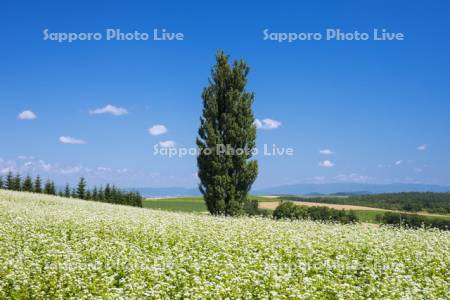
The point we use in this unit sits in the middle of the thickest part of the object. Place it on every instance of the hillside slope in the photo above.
(54, 247)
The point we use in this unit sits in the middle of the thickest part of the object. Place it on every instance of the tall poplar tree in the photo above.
(227, 123)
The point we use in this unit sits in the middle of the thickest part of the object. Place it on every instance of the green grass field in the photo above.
(196, 204)
(368, 216)
(186, 204)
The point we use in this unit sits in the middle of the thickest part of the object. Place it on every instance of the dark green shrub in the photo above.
(414, 221)
(288, 210)
(251, 208)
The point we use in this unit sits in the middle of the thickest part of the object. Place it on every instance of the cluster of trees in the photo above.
(251, 208)
(413, 221)
(27, 184)
(410, 201)
(289, 210)
(108, 194)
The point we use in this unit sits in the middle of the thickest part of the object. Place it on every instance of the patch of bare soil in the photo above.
(274, 204)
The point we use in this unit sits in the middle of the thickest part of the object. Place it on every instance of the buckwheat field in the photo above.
(52, 247)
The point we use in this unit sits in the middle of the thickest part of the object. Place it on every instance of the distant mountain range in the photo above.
(350, 188)
(307, 189)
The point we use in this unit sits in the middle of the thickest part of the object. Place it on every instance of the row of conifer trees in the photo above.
(109, 194)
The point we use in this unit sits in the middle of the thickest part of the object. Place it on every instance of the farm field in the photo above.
(196, 204)
(425, 203)
(187, 204)
(182, 204)
(274, 204)
(54, 247)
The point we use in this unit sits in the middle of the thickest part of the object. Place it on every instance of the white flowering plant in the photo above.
(55, 248)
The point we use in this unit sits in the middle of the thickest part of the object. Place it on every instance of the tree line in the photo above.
(109, 193)
(413, 221)
(409, 201)
(289, 210)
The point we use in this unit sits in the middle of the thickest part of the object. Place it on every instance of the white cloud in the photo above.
(7, 170)
(157, 129)
(71, 140)
(353, 177)
(45, 166)
(267, 124)
(422, 147)
(398, 162)
(103, 169)
(383, 166)
(67, 173)
(27, 115)
(7, 166)
(71, 170)
(37, 165)
(24, 157)
(326, 164)
(167, 144)
(326, 151)
(109, 109)
(318, 178)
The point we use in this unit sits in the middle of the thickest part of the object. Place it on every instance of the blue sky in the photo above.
(381, 107)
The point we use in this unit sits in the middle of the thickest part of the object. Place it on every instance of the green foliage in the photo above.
(49, 187)
(183, 204)
(10, 181)
(414, 221)
(81, 188)
(411, 201)
(227, 122)
(67, 191)
(17, 183)
(94, 195)
(111, 195)
(369, 216)
(289, 210)
(13, 183)
(27, 185)
(251, 209)
(38, 185)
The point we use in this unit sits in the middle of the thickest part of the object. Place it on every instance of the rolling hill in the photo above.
(53, 247)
